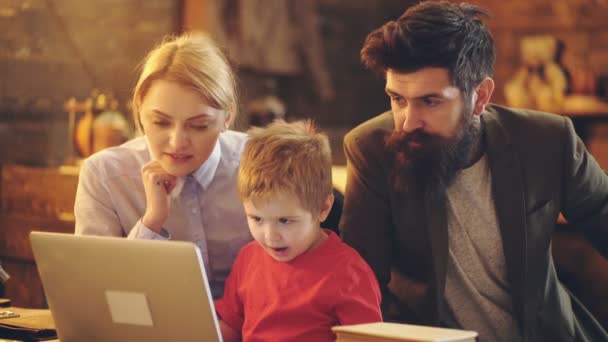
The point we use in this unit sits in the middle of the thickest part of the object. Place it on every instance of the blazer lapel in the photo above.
(435, 210)
(424, 229)
(508, 190)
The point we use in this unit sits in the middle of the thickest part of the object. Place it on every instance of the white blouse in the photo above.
(110, 201)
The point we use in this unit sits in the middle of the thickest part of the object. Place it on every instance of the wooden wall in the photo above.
(53, 50)
(31, 199)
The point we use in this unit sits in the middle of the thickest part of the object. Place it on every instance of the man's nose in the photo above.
(412, 121)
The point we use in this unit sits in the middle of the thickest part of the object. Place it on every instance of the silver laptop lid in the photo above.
(114, 289)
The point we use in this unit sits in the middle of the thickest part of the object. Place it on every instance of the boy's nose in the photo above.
(271, 235)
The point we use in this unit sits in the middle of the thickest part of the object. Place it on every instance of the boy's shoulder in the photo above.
(344, 257)
(348, 271)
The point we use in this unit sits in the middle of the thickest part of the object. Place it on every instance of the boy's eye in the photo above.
(284, 220)
(255, 218)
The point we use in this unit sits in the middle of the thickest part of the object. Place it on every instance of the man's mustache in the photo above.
(419, 136)
(400, 140)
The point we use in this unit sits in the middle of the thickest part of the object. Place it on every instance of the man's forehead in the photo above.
(421, 83)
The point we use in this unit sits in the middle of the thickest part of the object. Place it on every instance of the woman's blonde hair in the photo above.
(194, 60)
(288, 158)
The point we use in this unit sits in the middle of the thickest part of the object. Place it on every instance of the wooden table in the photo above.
(31, 318)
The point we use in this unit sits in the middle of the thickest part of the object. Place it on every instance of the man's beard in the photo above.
(431, 166)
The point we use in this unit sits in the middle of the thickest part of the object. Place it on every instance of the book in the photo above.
(396, 332)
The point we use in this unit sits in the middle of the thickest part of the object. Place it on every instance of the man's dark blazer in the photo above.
(539, 168)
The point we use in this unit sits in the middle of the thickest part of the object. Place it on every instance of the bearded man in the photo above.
(453, 200)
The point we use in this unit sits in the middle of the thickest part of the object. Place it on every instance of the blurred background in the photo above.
(68, 67)
(305, 53)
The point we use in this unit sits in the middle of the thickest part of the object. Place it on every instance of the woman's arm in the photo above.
(93, 209)
(103, 204)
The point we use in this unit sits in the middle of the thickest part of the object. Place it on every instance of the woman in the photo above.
(178, 180)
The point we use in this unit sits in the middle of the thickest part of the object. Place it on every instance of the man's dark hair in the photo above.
(435, 34)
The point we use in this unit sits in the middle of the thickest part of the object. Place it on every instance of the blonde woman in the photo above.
(178, 180)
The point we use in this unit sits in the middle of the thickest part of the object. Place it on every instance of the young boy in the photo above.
(296, 280)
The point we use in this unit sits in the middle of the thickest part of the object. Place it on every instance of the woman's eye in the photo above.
(199, 127)
(161, 123)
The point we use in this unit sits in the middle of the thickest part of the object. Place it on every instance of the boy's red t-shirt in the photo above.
(300, 300)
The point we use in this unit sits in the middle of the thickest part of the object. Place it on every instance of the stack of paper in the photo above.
(393, 332)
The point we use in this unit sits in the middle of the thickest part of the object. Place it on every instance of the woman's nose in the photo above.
(179, 138)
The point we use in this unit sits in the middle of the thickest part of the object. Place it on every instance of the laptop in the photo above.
(114, 289)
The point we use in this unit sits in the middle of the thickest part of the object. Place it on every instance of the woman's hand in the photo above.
(157, 185)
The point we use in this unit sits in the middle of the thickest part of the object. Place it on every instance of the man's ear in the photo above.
(482, 95)
(326, 208)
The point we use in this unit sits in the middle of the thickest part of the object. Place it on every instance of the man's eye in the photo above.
(397, 101)
(431, 102)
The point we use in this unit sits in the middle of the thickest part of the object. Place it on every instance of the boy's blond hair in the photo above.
(290, 158)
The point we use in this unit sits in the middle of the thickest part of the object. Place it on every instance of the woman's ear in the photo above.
(228, 118)
(326, 207)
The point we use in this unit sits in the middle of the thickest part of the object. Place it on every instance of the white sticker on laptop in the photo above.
(129, 308)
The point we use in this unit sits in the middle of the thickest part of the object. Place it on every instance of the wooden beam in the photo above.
(196, 15)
